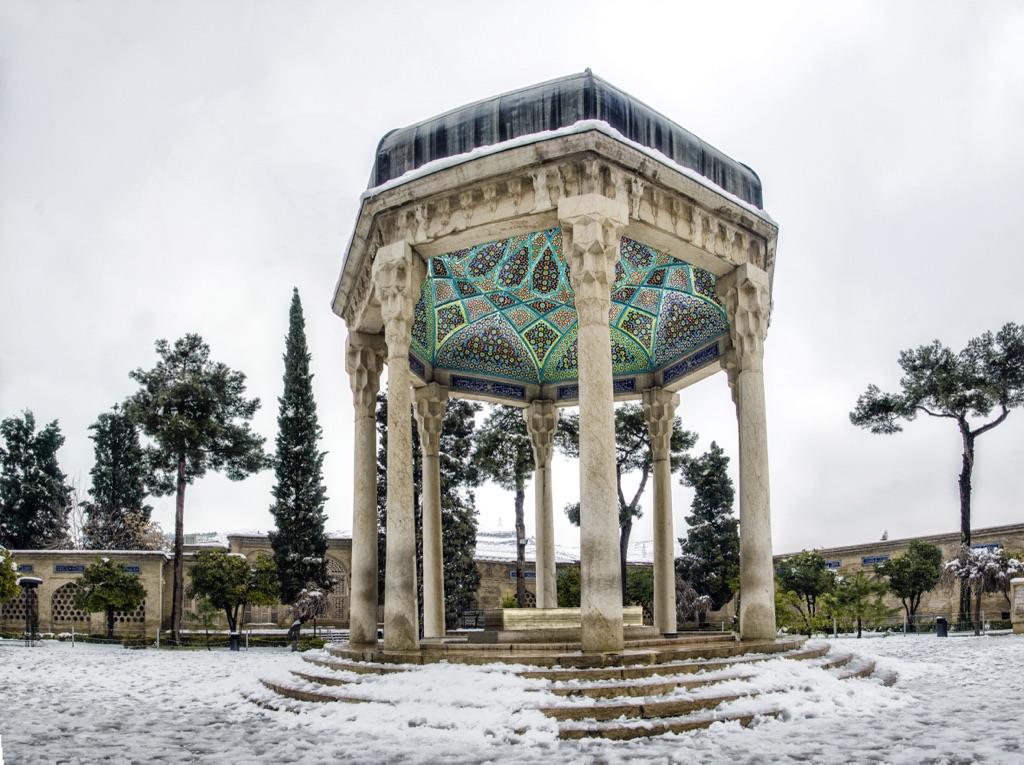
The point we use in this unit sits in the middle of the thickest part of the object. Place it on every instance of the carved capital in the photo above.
(745, 292)
(429, 404)
(541, 423)
(660, 414)
(398, 275)
(364, 360)
(591, 231)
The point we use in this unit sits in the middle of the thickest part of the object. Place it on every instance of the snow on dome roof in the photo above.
(549, 106)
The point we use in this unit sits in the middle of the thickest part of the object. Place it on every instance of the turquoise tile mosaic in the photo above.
(506, 310)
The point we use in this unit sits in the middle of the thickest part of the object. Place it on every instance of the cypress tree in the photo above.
(34, 496)
(300, 543)
(117, 516)
(711, 549)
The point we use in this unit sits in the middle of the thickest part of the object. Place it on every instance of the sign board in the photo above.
(833, 564)
(65, 569)
(990, 546)
(526, 574)
(26, 568)
(874, 560)
(133, 569)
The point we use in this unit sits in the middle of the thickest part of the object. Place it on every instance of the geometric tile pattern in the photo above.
(506, 309)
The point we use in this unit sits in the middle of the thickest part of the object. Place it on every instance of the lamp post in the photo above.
(28, 584)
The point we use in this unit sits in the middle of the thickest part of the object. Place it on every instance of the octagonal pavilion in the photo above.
(555, 246)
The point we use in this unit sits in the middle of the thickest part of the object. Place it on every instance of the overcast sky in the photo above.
(175, 167)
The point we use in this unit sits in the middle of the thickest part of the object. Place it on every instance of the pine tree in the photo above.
(34, 495)
(711, 549)
(196, 413)
(458, 512)
(117, 518)
(300, 543)
(106, 586)
(504, 453)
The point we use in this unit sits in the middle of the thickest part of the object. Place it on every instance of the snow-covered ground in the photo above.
(957, 700)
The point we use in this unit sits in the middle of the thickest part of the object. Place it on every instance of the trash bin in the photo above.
(940, 627)
(234, 640)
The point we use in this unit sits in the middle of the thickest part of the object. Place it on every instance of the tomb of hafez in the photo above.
(559, 245)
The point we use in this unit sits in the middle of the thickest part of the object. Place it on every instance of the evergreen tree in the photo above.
(632, 453)
(458, 512)
(106, 586)
(802, 580)
(34, 496)
(568, 586)
(711, 549)
(117, 518)
(230, 582)
(504, 453)
(8, 577)
(300, 543)
(912, 574)
(197, 416)
(859, 598)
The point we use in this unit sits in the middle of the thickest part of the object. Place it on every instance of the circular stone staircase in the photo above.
(656, 686)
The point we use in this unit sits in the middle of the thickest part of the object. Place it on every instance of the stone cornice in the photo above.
(517, 191)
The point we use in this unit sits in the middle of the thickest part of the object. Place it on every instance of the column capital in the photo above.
(398, 274)
(746, 294)
(364, 359)
(541, 423)
(592, 227)
(660, 414)
(429, 404)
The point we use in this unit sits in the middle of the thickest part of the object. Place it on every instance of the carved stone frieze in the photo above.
(429, 404)
(591, 230)
(660, 413)
(541, 423)
(364, 360)
(398, 274)
(747, 299)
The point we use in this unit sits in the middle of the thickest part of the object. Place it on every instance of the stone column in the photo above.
(429, 404)
(364, 357)
(591, 229)
(541, 422)
(748, 305)
(398, 275)
(660, 413)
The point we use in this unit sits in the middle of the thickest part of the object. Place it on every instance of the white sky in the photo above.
(173, 167)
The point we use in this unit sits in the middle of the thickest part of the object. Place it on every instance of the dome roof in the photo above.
(506, 310)
(549, 106)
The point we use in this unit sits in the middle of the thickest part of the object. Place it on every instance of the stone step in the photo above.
(761, 652)
(360, 668)
(624, 731)
(857, 668)
(834, 660)
(612, 690)
(321, 679)
(646, 709)
(303, 694)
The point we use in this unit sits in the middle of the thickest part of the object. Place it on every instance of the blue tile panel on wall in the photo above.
(697, 360)
(487, 387)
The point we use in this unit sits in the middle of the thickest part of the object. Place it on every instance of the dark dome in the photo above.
(549, 106)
